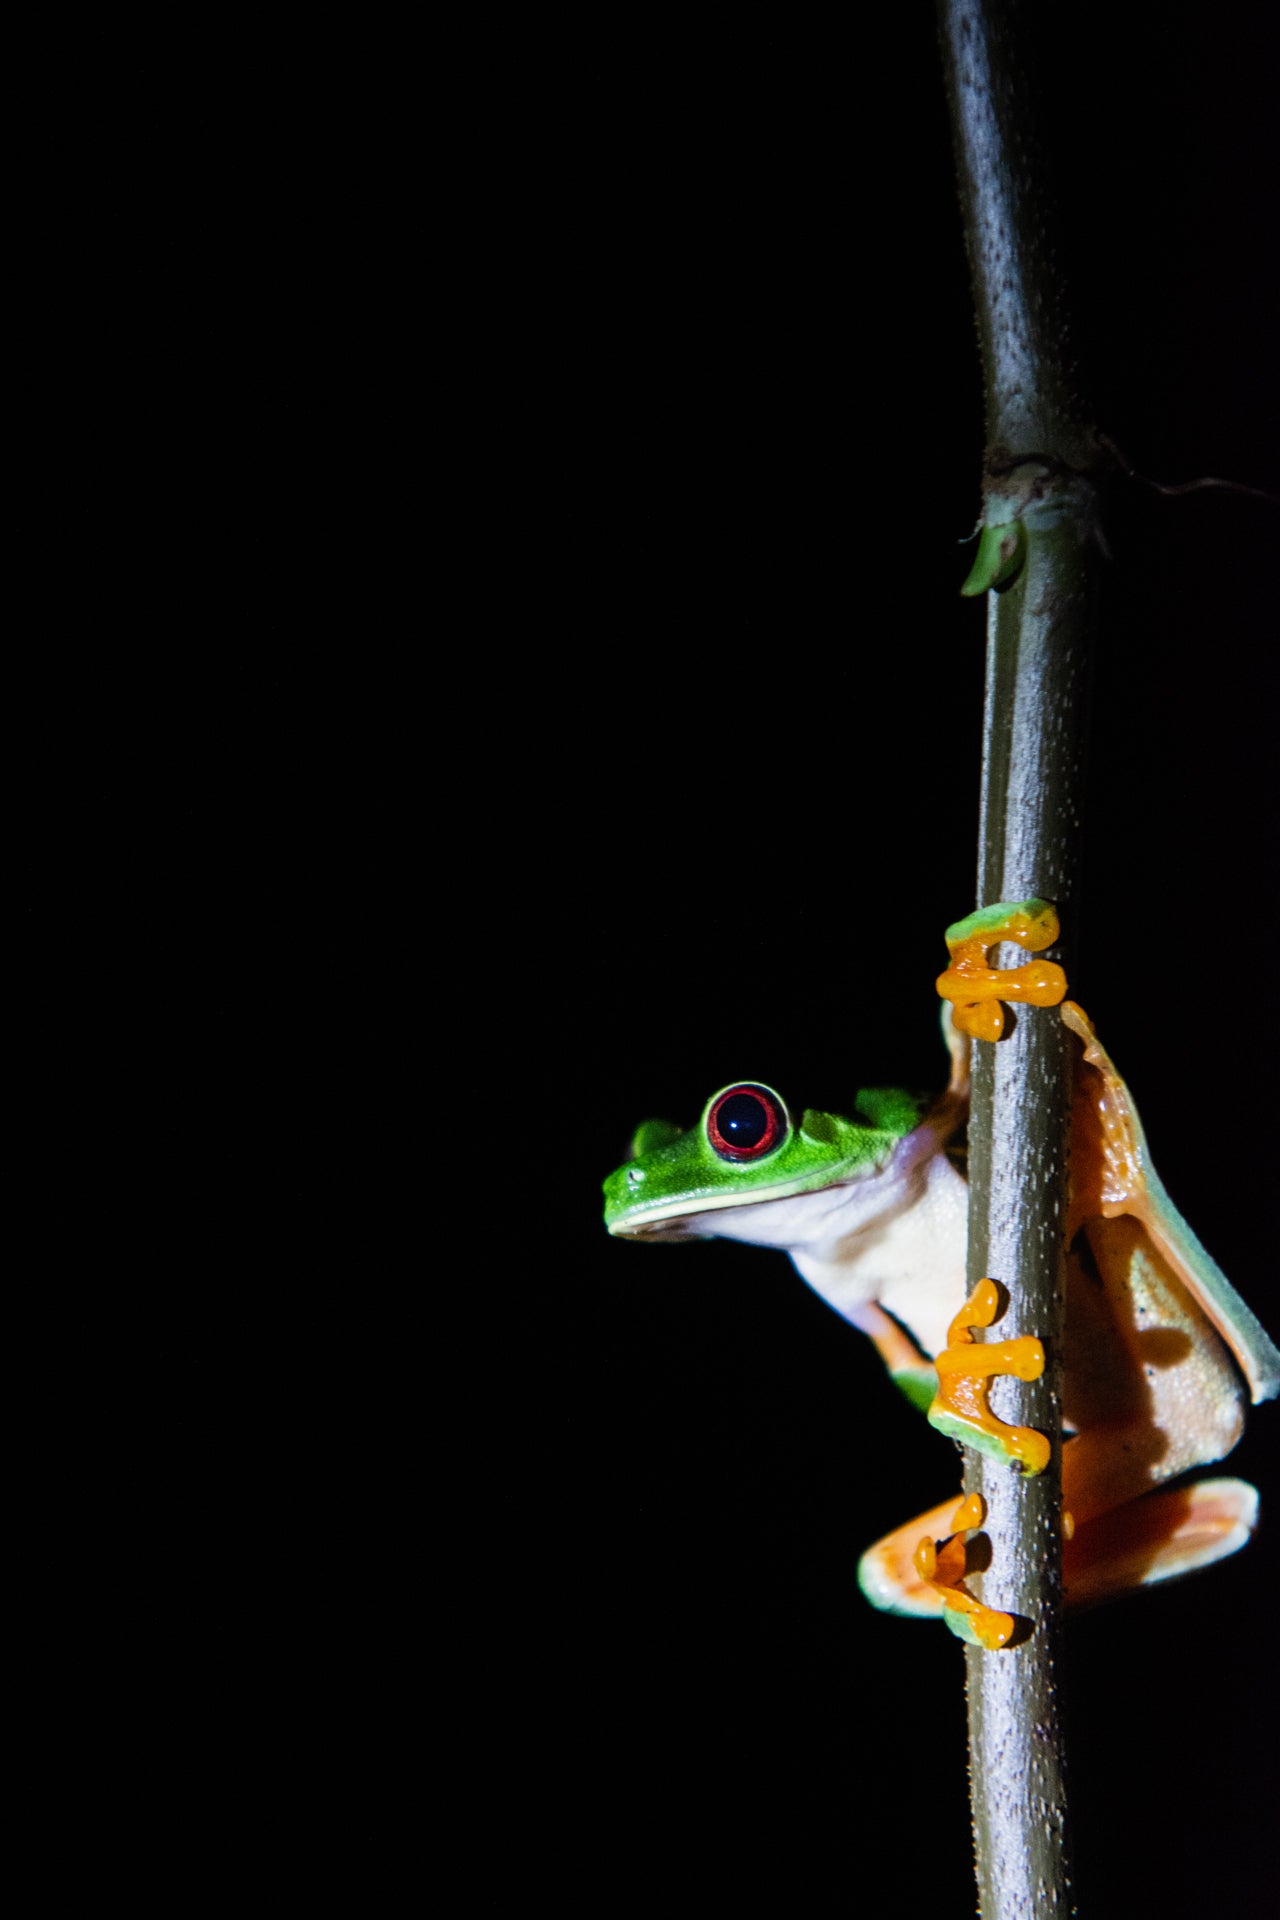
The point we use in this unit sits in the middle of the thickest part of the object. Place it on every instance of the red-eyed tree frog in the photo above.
(1161, 1354)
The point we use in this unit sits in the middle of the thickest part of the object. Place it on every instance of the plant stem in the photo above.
(1038, 631)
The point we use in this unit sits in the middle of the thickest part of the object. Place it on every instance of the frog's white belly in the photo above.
(910, 1261)
(896, 1237)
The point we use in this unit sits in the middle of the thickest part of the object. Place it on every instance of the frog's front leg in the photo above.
(910, 1368)
(976, 988)
(965, 1371)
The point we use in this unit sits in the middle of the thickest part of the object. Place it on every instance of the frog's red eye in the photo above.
(746, 1122)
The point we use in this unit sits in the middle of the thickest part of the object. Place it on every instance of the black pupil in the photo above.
(743, 1121)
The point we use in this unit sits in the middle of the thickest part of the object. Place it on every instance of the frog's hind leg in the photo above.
(887, 1572)
(1162, 1536)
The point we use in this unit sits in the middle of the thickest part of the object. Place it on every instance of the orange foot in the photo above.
(1162, 1536)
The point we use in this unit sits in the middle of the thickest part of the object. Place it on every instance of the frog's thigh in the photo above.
(1111, 1466)
(1149, 1387)
(1169, 1533)
(1172, 1532)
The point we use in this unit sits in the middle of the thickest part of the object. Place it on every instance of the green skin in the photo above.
(676, 1174)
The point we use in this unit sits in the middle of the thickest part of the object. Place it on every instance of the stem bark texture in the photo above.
(1039, 446)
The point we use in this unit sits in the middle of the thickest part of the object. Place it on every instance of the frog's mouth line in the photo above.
(654, 1229)
(663, 1221)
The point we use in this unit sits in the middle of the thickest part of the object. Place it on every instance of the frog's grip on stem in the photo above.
(976, 988)
(965, 1370)
(941, 1565)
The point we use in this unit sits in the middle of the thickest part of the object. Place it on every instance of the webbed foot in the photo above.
(976, 988)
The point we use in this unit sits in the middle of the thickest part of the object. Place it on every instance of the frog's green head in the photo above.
(745, 1149)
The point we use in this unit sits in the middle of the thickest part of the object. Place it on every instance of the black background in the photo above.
(747, 434)
(545, 697)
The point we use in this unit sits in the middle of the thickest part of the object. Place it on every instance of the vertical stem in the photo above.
(1038, 634)
(1032, 794)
